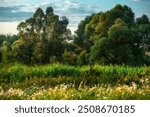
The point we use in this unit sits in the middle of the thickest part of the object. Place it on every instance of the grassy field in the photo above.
(58, 81)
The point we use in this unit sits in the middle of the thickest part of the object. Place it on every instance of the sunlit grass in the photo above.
(64, 82)
(70, 92)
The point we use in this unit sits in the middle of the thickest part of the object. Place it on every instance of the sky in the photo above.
(12, 12)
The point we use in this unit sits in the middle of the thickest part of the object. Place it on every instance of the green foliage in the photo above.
(69, 58)
(99, 52)
(111, 38)
(18, 72)
(120, 47)
(59, 81)
(42, 38)
(89, 75)
(6, 52)
(83, 58)
(143, 20)
(5, 47)
(143, 35)
(115, 37)
(101, 22)
(82, 39)
(8, 38)
(22, 51)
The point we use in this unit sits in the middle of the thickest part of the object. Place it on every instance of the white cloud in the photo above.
(10, 0)
(8, 27)
(74, 11)
(146, 1)
(28, 8)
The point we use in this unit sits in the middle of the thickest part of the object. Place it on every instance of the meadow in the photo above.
(64, 82)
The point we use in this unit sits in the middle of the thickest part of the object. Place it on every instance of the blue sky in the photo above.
(14, 11)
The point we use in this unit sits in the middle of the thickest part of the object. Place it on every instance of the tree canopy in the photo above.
(112, 37)
(41, 37)
(116, 37)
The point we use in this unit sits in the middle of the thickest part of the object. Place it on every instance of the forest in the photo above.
(108, 57)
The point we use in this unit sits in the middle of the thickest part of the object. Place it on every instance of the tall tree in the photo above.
(120, 47)
(101, 22)
(43, 35)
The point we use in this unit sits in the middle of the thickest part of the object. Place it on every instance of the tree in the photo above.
(119, 33)
(22, 51)
(6, 41)
(100, 52)
(96, 27)
(56, 33)
(101, 22)
(82, 39)
(69, 58)
(115, 37)
(143, 20)
(119, 47)
(42, 37)
(82, 42)
(83, 58)
(142, 28)
(6, 52)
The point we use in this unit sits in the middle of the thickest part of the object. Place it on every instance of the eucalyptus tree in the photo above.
(43, 34)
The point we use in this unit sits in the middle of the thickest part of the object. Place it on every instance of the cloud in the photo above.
(8, 27)
(140, 0)
(75, 11)
(8, 14)
(10, 0)
(146, 1)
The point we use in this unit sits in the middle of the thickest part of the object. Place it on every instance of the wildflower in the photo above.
(11, 92)
(118, 89)
(134, 86)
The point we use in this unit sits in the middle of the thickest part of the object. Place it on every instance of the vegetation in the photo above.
(96, 74)
(107, 58)
(86, 82)
(69, 92)
(112, 37)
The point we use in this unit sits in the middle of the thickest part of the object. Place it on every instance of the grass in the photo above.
(69, 92)
(58, 81)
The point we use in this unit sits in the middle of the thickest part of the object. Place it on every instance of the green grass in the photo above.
(93, 74)
(19, 81)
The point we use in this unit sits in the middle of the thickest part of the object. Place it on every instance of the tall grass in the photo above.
(90, 75)
(58, 81)
(65, 92)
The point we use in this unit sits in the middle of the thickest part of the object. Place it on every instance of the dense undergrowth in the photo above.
(58, 81)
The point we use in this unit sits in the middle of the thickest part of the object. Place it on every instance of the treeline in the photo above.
(113, 37)
(7, 40)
